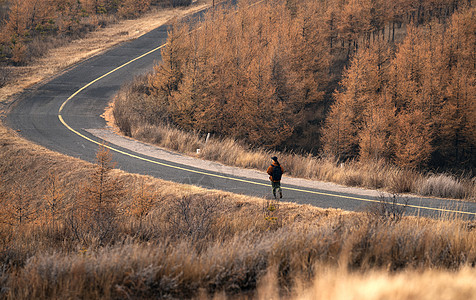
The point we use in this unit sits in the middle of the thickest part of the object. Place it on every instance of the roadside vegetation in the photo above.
(78, 230)
(370, 94)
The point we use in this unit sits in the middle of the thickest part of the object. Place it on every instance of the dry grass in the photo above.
(168, 137)
(331, 283)
(444, 186)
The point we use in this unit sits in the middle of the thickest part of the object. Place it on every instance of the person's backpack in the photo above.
(277, 173)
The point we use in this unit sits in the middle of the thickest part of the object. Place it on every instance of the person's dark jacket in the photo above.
(270, 171)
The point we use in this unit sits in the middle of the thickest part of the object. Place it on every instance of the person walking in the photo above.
(275, 172)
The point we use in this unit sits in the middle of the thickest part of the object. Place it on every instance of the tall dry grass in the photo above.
(331, 283)
(175, 268)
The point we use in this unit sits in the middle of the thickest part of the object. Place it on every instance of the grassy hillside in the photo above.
(63, 235)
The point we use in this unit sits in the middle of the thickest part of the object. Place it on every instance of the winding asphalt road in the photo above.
(59, 114)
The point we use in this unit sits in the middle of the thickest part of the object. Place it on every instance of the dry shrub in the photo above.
(121, 118)
(193, 217)
(176, 3)
(19, 53)
(232, 152)
(472, 189)
(176, 140)
(375, 171)
(402, 180)
(442, 185)
(38, 47)
(353, 178)
(329, 169)
(132, 8)
(168, 137)
(302, 166)
(390, 208)
(134, 108)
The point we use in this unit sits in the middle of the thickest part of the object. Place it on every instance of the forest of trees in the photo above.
(414, 105)
(358, 79)
(28, 27)
(250, 75)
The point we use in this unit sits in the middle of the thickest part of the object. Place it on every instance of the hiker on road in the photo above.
(275, 172)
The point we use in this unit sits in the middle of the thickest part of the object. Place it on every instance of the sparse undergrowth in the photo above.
(160, 239)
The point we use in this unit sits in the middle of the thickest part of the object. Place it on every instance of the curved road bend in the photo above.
(60, 114)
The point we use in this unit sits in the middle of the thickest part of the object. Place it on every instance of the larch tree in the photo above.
(339, 133)
(102, 195)
(412, 143)
(413, 135)
(458, 113)
(233, 74)
(351, 122)
(143, 201)
(18, 207)
(168, 75)
(375, 137)
(54, 200)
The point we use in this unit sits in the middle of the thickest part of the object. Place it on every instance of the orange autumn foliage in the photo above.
(424, 104)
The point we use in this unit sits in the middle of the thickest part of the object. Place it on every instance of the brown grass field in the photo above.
(148, 238)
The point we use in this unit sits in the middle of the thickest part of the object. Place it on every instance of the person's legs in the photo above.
(277, 187)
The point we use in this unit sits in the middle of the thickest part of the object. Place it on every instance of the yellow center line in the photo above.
(107, 74)
(207, 173)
